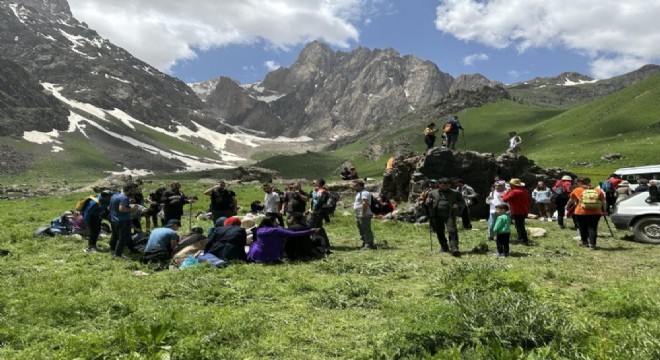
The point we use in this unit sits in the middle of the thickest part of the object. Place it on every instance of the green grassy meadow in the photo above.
(553, 300)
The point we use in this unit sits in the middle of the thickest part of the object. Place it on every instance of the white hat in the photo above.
(624, 183)
(567, 178)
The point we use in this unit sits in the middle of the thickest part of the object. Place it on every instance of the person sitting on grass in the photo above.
(164, 238)
(268, 246)
(228, 242)
(502, 230)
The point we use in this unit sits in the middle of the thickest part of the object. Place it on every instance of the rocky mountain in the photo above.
(54, 47)
(23, 104)
(472, 82)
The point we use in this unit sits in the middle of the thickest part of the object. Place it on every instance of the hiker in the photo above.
(363, 214)
(228, 242)
(268, 245)
(519, 202)
(120, 219)
(164, 238)
(502, 230)
(154, 201)
(295, 200)
(590, 205)
(173, 201)
(609, 187)
(561, 191)
(223, 201)
(445, 205)
(381, 205)
(542, 196)
(93, 214)
(345, 174)
(494, 199)
(469, 196)
(353, 175)
(429, 135)
(272, 203)
(514, 143)
(191, 244)
(642, 186)
(622, 192)
(451, 128)
(653, 192)
(300, 247)
(319, 210)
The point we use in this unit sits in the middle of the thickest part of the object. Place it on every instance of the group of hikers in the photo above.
(451, 128)
(263, 230)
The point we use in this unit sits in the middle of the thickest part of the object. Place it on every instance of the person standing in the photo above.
(173, 201)
(494, 199)
(469, 196)
(319, 196)
(272, 203)
(429, 135)
(622, 192)
(519, 201)
(223, 201)
(451, 128)
(444, 203)
(363, 215)
(514, 143)
(120, 219)
(154, 201)
(542, 196)
(502, 229)
(590, 205)
(561, 191)
(93, 216)
(295, 200)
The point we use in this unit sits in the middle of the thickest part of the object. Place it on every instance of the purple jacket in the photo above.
(269, 245)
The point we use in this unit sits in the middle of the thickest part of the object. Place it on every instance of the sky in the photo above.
(504, 40)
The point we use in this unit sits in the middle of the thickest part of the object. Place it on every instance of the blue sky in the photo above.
(505, 40)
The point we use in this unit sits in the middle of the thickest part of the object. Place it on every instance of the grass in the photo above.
(553, 300)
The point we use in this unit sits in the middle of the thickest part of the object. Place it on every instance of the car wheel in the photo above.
(647, 230)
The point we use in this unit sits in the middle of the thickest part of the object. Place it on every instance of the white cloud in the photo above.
(469, 60)
(514, 74)
(271, 65)
(614, 34)
(173, 29)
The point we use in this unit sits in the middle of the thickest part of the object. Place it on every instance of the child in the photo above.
(502, 230)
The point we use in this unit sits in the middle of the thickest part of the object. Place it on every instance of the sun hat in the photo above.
(624, 183)
(567, 178)
(516, 182)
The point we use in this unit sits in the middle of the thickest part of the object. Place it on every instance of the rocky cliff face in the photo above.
(24, 106)
(334, 94)
(44, 38)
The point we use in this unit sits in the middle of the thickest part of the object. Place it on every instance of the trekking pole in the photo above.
(608, 225)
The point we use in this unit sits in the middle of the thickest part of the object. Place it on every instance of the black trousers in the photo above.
(465, 217)
(588, 227)
(519, 222)
(560, 203)
(278, 216)
(502, 241)
(430, 141)
(94, 231)
(439, 223)
(316, 221)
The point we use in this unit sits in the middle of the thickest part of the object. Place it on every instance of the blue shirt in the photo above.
(115, 214)
(160, 238)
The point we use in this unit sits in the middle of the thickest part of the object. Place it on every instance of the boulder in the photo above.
(610, 157)
(537, 232)
(254, 173)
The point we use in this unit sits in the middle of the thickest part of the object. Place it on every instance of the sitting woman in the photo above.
(228, 242)
(269, 243)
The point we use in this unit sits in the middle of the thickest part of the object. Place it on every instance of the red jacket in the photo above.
(519, 200)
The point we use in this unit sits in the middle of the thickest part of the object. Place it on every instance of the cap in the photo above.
(567, 178)
(233, 221)
(173, 222)
(434, 181)
(106, 192)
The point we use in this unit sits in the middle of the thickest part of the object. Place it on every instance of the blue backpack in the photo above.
(606, 186)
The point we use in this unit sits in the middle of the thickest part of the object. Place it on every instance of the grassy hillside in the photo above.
(627, 122)
(553, 300)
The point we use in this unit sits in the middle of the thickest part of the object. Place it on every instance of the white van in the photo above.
(632, 174)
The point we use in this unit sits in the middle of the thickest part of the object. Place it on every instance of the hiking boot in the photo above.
(91, 249)
(498, 255)
(456, 253)
(368, 247)
(593, 247)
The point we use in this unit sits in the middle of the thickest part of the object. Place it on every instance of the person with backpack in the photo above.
(363, 215)
(223, 201)
(470, 196)
(120, 219)
(542, 197)
(590, 206)
(561, 189)
(93, 214)
(444, 204)
(451, 128)
(519, 201)
(429, 135)
(609, 187)
(319, 210)
(514, 143)
(228, 242)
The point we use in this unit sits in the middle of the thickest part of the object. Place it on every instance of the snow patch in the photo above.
(568, 82)
(21, 13)
(57, 149)
(132, 172)
(39, 137)
(116, 78)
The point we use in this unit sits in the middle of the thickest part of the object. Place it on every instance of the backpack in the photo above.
(606, 186)
(82, 203)
(590, 199)
(333, 199)
(448, 127)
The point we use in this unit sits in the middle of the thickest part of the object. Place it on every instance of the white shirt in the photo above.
(357, 204)
(513, 142)
(494, 199)
(272, 202)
